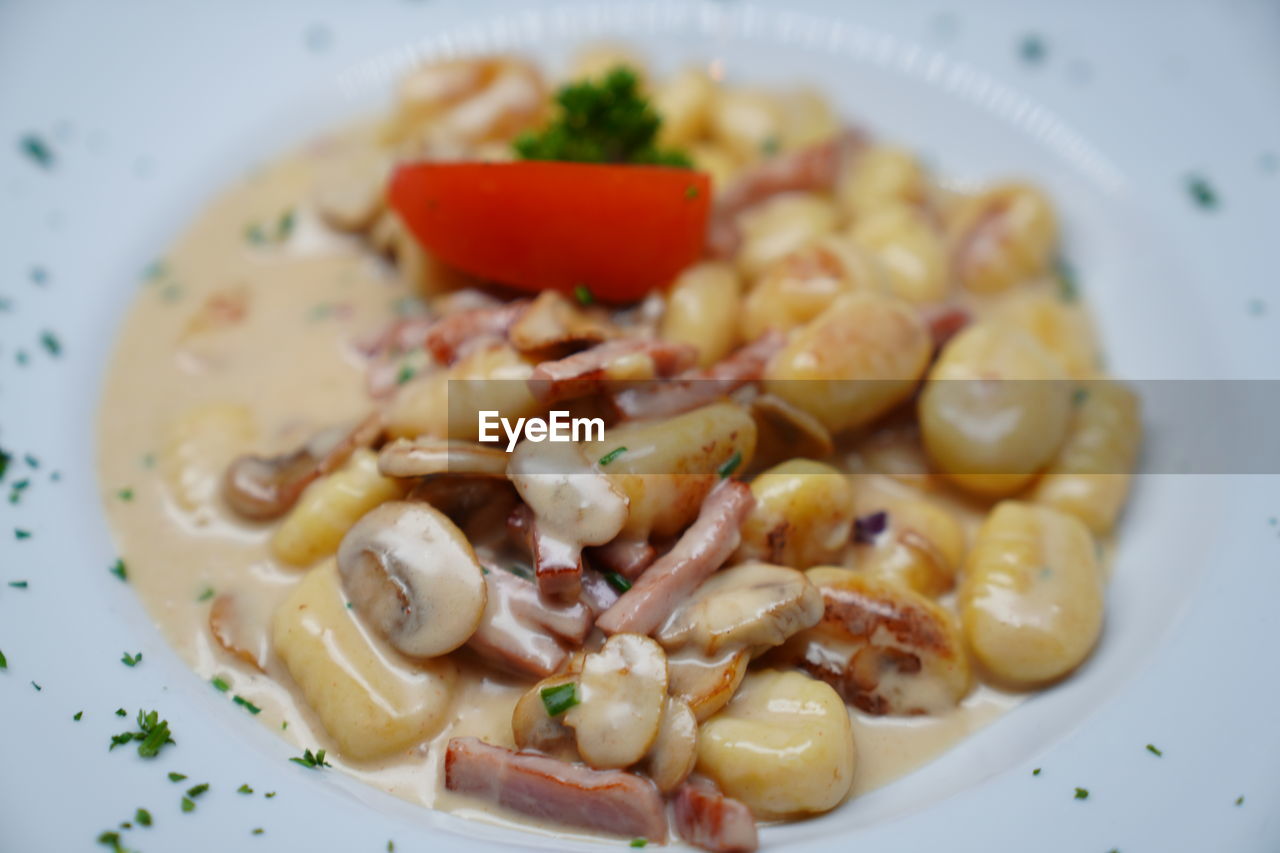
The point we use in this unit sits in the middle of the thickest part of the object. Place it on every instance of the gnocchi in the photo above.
(802, 515)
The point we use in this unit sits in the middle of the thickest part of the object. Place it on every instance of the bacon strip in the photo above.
(627, 557)
(520, 632)
(446, 337)
(815, 168)
(589, 371)
(708, 819)
(610, 801)
(700, 551)
(700, 387)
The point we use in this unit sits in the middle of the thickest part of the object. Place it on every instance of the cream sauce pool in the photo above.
(254, 315)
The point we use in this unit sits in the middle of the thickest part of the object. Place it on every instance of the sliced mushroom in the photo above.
(748, 606)
(706, 684)
(621, 695)
(423, 457)
(228, 625)
(349, 195)
(671, 759)
(551, 320)
(597, 368)
(411, 574)
(885, 648)
(788, 432)
(261, 488)
(533, 728)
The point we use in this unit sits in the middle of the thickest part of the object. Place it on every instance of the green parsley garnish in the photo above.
(246, 704)
(205, 594)
(120, 570)
(4, 662)
(559, 698)
(37, 687)
(131, 660)
(1032, 50)
(583, 294)
(1151, 749)
(51, 343)
(220, 683)
(1068, 284)
(255, 234)
(405, 373)
(1080, 395)
(269, 794)
(639, 842)
(258, 830)
(601, 121)
(612, 455)
(1035, 772)
(37, 150)
(153, 734)
(1240, 800)
(196, 790)
(617, 581)
(1082, 793)
(142, 817)
(691, 192)
(18, 584)
(112, 840)
(78, 715)
(730, 465)
(177, 777)
(310, 761)
(284, 225)
(19, 533)
(188, 804)
(391, 847)
(244, 789)
(1202, 193)
(125, 494)
(770, 146)
(4, 463)
(121, 712)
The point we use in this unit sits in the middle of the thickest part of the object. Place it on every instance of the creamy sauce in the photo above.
(265, 332)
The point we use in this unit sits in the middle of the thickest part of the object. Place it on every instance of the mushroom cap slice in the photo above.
(411, 574)
(533, 728)
(622, 692)
(674, 753)
(746, 606)
(706, 684)
(422, 457)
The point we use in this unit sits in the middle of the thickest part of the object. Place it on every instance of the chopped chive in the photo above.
(639, 842)
(691, 191)
(559, 698)
(612, 455)
(18, 584)
(1240, 800)
(244, 789)
(770, 146)
(125, 494)
(205, 594)
(4, 662)
(4, 462)
(1151, 749)
(1082, 793)
(617, 581)
(258, 830)
(1201, 192)
(310, 761)
(583, 294)
(284, 225)
(37, 150)
(120, 570)
(176, 777)
(143, 817)
(269, 794)
(391, 847)
(51, 343)
(19, 533)
(37, 687)
(730, 465)
(220, 683)
(246, 704)
(254, 234)
(131, 660)
(1068, 283)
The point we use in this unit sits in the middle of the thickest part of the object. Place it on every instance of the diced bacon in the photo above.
(708, 819)
(592, 369)
(520, 633)
(557, 564)
(627, 557)
(448, 336)
(597, 593)
(700, 551)
(611, 801)
(698, 388)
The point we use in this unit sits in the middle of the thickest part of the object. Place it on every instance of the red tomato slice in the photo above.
(619, 231)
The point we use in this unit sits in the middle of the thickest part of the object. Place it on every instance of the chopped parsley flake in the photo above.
(78, 715)
(691, 191)
(269, 794)
(220, 683)
(154, 270)
(125, 494)
(391, 847)
(1068, 284)
(770, 146)
(51, 343)
(16, 490)
(196, 790)
(19, 533)
(205, 594)
(255, 234)
(258, 830)
(4, 462)
(246, 704)
(1151, 749)
(617, 581)
(244, 789)
(605, 120)
(405, 373)
(583, 294)
(18, 584)
(612, 455)
(639, 842)
(37, 687)
(120, 570)
(1032, 50)
(1202, 192)
(112, 840)
(153, 734)
(121, 712)
(177, 777)
(131, 660)
(310, 761)
(31, 461)
(730, 465)
(1240, 800)
(1082, 793)
(188, 804)
(142, 817)
(284, 225)
(4, 662)
(559, 698)
(37, 150)
(1035, 772)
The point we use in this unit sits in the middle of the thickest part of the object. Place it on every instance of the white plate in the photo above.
(149, 107)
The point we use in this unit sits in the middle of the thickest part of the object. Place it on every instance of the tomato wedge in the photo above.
(619, 231)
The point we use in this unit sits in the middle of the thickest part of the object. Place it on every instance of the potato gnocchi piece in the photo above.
(746, 121)
(1090, 476)
(995, 409)
(670, 464)
(753, 606)
(807, 120)
(1062, 328)
(779, 226)
(784, 746)
(1002, 237)
(702, 310)
(717, 161)
(882, 176)
(684, 103)
(885, 648)
(330, 507)
(921, 546)
(369, 701)
(801, 285)
(1032, 596)
(802, 515)
(854, 362)
(908, 249)
(197, 449)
